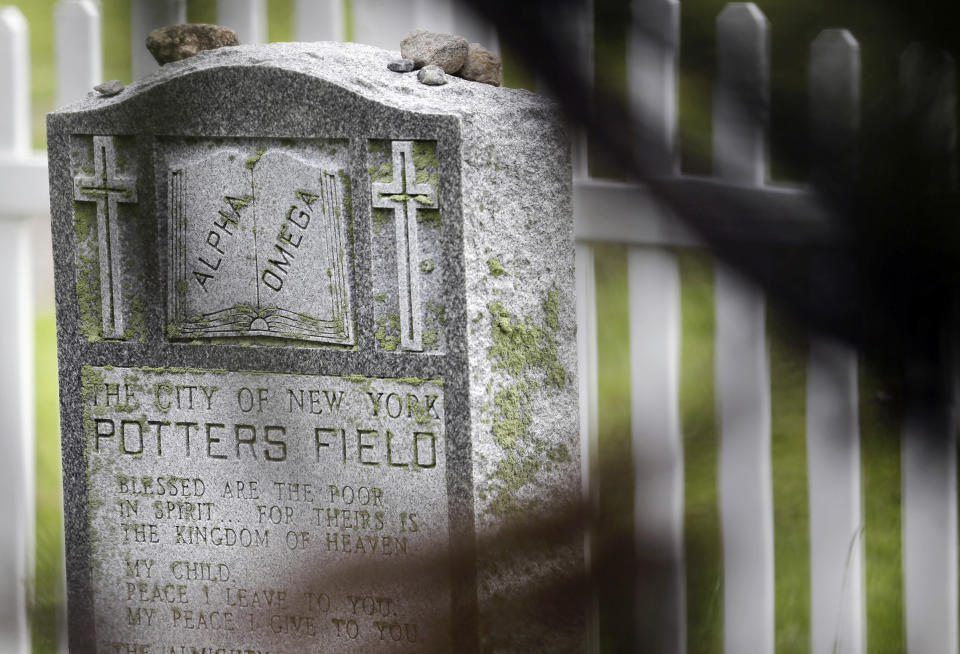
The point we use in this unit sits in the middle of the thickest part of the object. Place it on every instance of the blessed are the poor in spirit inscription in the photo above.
(253, 512)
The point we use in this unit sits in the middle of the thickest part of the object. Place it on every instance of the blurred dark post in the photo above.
(928, 108)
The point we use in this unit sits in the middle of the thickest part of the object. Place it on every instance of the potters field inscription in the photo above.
(263, 512)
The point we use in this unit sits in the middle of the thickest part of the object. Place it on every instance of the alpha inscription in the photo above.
(259, 247)
(266, 512)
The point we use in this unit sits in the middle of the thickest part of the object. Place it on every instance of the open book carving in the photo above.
(259, 248)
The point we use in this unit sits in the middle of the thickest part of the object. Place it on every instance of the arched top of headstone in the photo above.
(360, 70)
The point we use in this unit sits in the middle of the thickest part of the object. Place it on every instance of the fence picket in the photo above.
(654, 295)
(79, 62)
(836, 524)
(382, 22)
(833, 433)
(587, 387)
(652, 52)
(16, 349)
(742, 368)
(434, 15)
(320, 20)
(247, 17)
(14, 83)
(746, 494)
(573, 21)
(146, 16)
(741, 97)
(929, 449)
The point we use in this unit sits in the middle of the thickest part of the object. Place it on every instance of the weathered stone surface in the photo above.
(113, 87)
(178, 42)
(316, 347)
(401, 65)
(432, 76)
(426, 48)
(481, 65)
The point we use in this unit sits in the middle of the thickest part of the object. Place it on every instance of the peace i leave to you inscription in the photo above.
(259, 247)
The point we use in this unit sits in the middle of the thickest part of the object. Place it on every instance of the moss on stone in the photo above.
(496, 268)
(513, 472)
(526, 351)
(380, 218)
(388, 331)
(419, 412)
(427, 266)
(137, 326)
(88, 297)
(429, 217)
(511, 419)
(521, 347)
(426, 163)
(252, 161)
(551, 309)
(559, 453)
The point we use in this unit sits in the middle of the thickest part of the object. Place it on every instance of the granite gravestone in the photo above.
(316, 344)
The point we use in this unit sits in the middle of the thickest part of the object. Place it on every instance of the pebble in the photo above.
(401, 65)
(482, 65)
(432, 76)
(109, 89)
(433, 48)
(177, 42)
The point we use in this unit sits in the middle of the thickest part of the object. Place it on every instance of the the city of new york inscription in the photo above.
(266, 512)
(259, 246)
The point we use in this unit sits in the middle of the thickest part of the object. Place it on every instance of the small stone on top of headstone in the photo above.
(443, 50)
(109, 89)
(432, 76)
(402, 65)
(177, 42)
(482, 65)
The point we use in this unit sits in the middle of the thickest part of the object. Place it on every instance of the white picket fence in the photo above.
(605, 211)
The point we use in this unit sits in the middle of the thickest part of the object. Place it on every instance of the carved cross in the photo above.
(405, 197)
(107, 187)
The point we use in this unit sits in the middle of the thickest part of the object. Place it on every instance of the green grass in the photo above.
(48, 584)
(880, 419)
(791, 515)
(701, 443)
(614, 561)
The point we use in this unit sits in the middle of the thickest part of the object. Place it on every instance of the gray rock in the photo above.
(401, 65)
(109, 89)
(482, 65)
(426, 48)
(432, 76)
(178, 42)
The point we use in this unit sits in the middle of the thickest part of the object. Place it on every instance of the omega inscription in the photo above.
(259, 242)
(266, 512)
